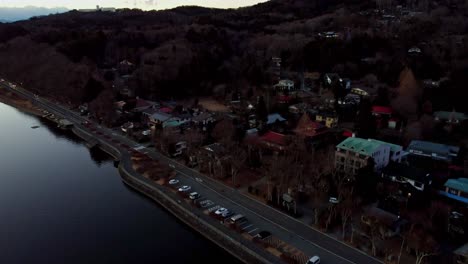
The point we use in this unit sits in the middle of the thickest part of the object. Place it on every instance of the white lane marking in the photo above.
(247, 227)
(253, 230)
(274, 223)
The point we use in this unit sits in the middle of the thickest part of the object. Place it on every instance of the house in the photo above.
(273, 140)
(396, 151)
(299, 108)
(143, 105)
(159, 118)
(360, 92)
(433, 151)
(274, 118)
(284, 86)
(309, 129)
(330, 119)
(203, 119)
(354, 153)
(456, 189)
(382, 111)
(453, 117)
(405, 174)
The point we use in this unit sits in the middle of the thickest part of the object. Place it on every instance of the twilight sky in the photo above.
(143, 4)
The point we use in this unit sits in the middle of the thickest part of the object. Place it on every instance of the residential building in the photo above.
(273, 118)
(433, 151)
(405, 174)
(309, 129)
(299, 108)
(456, 189)
(355, 153)
(453, 117)
(166, 120)
(329, 119)
(285, 86)
(273, 141)
(396, 151)
(142, 105)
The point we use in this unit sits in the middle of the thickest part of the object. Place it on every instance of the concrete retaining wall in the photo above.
(239, 247)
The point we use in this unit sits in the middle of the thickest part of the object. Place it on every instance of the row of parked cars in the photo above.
(228, 217)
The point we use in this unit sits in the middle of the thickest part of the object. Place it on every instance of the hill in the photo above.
(189, 51)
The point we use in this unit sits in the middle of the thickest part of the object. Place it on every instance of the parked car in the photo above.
(194, 196)
(221, 210)
(198, 180)
(333, 200)
(173, 182)
(314, 260)
(172, 166)
(185, 188)
(227, 214)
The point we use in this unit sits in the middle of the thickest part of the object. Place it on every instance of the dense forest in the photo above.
(190, 51)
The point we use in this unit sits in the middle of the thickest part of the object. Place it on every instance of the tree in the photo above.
(422, 243)
(365, 124)
(261, 110)
(238, 157)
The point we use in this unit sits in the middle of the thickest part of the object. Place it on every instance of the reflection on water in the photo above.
(99, 156)
(63, 203)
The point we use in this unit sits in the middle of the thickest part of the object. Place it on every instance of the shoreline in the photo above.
(196, 221)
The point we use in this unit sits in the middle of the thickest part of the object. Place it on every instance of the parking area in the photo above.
(233, 217)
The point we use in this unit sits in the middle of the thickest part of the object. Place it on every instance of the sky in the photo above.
(142, 4)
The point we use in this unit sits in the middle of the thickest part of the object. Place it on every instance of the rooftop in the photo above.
(445, 115)
(272, 118)
(161, 116)
(274, 138)
(359, 145)
(382, 109)
(393, 147)
(460, 184)
(435, 150)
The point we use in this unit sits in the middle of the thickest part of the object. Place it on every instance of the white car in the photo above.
(333, 200)
(173, 182)
(172, 166)
(314, 260)
(221, 211)
(185, 188)
(194, 196)
(198, 180)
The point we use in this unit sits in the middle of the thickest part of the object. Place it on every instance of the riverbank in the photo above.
(24, 105)
(198, 222)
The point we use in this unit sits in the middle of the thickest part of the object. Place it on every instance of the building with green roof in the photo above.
(354, 153)
(457, 189)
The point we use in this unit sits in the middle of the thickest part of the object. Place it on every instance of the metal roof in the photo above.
(359, 145)
(435, 150)
(460, 184)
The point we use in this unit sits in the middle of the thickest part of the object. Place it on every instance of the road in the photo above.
(286, 228)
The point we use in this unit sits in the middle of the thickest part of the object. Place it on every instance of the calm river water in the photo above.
(62, 203)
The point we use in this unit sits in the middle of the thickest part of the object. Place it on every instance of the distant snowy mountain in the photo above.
(11, 14)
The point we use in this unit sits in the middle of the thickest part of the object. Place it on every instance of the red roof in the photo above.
(166, 110)
(274, 138)
(347, 133)
(311, 129)
(382, 110)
